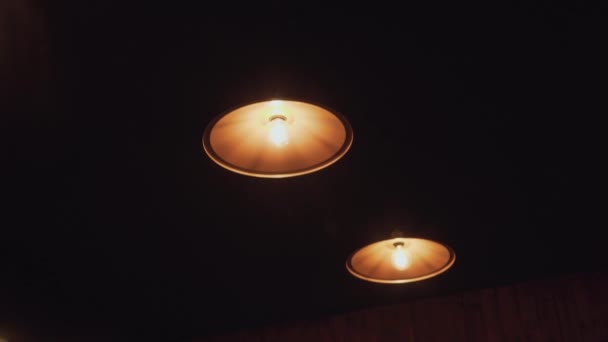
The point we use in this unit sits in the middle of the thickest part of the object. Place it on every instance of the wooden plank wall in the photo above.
(567, 309)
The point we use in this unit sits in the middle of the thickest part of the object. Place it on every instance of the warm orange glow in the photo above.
(400, 260)
(277, 139)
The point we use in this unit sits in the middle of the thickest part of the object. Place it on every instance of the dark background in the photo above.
(473, 126)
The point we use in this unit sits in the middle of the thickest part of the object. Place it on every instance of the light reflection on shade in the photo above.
(400, 260)
(277, 139)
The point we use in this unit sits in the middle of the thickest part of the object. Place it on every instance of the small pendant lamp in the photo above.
(277, 139)
(400, 260)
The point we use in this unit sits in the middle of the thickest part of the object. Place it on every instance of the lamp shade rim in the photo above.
(447, 265)
(339, 153)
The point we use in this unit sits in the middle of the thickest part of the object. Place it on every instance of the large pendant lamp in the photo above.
(400, 260)
(277, 139)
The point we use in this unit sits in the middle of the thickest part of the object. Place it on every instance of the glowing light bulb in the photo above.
(399, 258)
(278, 131)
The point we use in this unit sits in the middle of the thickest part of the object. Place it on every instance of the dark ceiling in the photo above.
(467, 125)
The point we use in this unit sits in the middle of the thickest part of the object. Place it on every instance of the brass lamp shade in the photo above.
(400, 260)
(277, 139)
